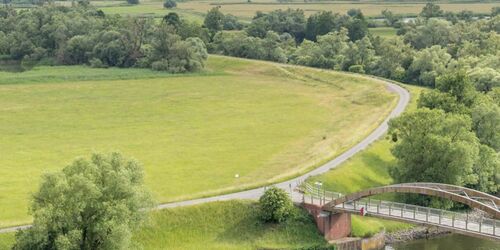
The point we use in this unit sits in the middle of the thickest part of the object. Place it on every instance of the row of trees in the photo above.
(84, 35)
(423, 50)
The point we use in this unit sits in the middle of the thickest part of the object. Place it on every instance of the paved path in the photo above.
(404, 98)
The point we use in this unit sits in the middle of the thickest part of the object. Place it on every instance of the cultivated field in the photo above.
(193, 133)
(195, 10)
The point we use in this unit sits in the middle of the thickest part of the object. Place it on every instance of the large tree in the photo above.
(91, 204)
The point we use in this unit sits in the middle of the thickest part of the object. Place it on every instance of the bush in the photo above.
(169, 4)
(96, 63)
(133, 1)
(357, 69)
(161, 65)
(275, 205)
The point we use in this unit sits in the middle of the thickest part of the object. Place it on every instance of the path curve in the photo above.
(404, 99)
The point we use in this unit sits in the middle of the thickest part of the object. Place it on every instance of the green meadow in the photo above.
(193, 133)
(369, 168)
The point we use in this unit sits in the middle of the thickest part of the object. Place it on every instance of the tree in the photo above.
(427, 65)
(173, 19)
(91, 204)
(485, 79)
(431, 10)
(486, 123)
(275, 205)
(393, 56)
(288, 21)
(133, 1)
(169, 4)
(390, 18)
(432, 146)
(322, 23)
(213, 20)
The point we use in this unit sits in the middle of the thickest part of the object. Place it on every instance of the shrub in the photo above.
(97, 63)
(161, 65)
(169, 4)
(275, 205)
(133, 1)
(357, 69)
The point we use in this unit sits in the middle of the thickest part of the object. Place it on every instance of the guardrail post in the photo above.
(415, 212)
(440, 215)
(427, 215)
(366, 206)
(390, 206)
(453, 221)
(402, 211)
(378, 208)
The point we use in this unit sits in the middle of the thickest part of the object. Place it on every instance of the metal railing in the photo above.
(412, 213)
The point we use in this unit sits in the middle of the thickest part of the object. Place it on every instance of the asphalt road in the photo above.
(404, 98)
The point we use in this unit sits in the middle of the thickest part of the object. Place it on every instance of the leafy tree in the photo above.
(213, 20)
(434, 99)
(431, 10)
(393, 56)
(486, 123)
(169, 4)
(78, 50)
(288, 21)
(358, 26)
(361, 53)
(485, 79)
(433, 147)
(427, 65)
(487, 168)
(323, 22)
(390, 18)
(275, 205)
(91, 204)
(495, 11)
(230, 22)
(433, 32)
(173, 19)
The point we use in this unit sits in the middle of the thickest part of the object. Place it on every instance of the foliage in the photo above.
(169, 4)
(83, 35)
(280, 21)
(431, 10)
(133, 1)
(275, 205)
(213, 20)
(91, 204)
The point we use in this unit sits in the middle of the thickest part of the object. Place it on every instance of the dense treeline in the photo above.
(82, 35)
(454, 137)
(424, 49)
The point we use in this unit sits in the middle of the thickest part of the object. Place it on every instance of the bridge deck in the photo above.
(453, 221)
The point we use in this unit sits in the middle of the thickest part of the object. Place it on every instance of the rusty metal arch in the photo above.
(473, 198)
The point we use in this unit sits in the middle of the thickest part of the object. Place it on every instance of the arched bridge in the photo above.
(334, 204)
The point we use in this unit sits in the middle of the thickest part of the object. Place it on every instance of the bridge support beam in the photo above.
(333, 226)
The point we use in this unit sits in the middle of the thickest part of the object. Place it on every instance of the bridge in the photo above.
(332, 210)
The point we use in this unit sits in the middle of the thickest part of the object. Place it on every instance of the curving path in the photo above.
(404, 98)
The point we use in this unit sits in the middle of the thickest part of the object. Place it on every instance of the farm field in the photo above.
(261, 121)
(384, 32)
(195, 10)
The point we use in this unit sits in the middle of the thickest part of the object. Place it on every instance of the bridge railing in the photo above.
(461, 221)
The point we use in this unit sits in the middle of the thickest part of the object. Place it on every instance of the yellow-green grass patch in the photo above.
(367, 169)
(263, 121)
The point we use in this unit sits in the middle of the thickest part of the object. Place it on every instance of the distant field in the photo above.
(384, 32)
(193, 133)
(196, 9)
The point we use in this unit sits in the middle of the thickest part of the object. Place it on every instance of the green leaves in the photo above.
(91, 204)
(275, 205)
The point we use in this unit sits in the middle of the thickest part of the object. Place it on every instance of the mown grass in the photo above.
(263, 121)
(7, 240)
(384, 32)
(367, 169)
(226, 225)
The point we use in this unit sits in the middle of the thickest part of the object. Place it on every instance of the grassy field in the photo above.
(225, 225)
(367, 169)
(263, 121)
(384, 32)
(195, 10)
(218, 225)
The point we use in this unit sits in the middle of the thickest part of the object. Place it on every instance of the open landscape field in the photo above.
(195, 10)
(261, 121)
